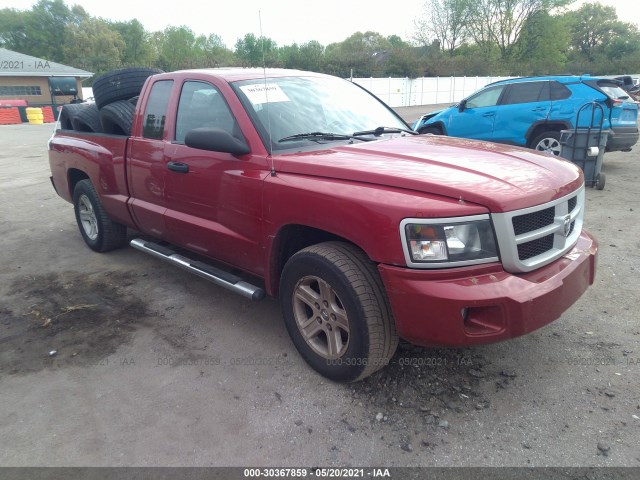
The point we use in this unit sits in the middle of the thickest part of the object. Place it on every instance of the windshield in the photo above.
(310, 105)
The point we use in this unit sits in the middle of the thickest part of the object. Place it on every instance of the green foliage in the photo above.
(46, 27)
(542, 46)
(446, 21)
(600, 43)
(454, 37)
(138, 49)
(254, 51)
(93, 43)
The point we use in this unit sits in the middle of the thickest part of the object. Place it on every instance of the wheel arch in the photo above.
(75, 175)
(437, 124)
(544, 126)
(288, 240)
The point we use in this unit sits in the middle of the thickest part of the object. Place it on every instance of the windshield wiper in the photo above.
(319, 136)
(382, 130)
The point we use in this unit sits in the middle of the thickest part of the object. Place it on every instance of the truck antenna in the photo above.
(266, 97)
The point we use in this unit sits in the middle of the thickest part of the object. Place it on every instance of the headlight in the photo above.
(448, 242)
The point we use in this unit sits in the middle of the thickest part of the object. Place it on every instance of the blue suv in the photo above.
(530, 112)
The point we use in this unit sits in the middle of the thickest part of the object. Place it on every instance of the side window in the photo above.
(202, 105)
(486, 98)
(156, 111)
(559, 91)
(526, 92)
(545, 94)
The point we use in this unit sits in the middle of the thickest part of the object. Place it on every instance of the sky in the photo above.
(284, 21)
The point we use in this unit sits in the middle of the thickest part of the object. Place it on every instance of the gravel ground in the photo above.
(157, 367)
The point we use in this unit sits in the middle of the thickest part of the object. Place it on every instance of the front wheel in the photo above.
(547, 142)
(336, 311)
(98, 231)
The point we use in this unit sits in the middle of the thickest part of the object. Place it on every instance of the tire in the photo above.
(327, 282)
(547, 142)
(117, 117)
(98, 231)
(432, 130)
(87, 119)
(120, 84)
(601, 179)
(67, 114)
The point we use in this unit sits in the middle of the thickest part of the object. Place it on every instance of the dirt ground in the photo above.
(118, 359)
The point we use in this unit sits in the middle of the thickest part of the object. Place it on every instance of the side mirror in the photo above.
(215, 140)
(462, 105)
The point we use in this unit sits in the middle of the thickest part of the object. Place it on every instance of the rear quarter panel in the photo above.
(581, 94)
(102, 159)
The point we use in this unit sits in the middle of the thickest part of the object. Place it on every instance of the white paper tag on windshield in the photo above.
(259, 93)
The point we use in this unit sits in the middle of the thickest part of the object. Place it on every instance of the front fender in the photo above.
(366, 215)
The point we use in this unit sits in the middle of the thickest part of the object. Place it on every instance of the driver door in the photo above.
(213, 198)
(477, 118)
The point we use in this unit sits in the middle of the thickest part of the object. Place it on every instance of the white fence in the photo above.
(406, 92)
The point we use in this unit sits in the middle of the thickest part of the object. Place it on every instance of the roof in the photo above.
(236, 73)
(557, 78)
(15, 64)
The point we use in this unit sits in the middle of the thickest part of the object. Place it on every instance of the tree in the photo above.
(360, 54)
(542, 46)
(212, 51)
(93, 45)
(253, 51)
(500, 22)
(445, 21)
(13, 30)
(138, 50)
(176, 48)
(45, 29)
(600, 43)
(308, 56)
(594, 27)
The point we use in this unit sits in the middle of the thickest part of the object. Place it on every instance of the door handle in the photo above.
(491, 114)
(178, 167)
(539, 109)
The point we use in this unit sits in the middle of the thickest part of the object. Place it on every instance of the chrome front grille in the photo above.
(535, 236)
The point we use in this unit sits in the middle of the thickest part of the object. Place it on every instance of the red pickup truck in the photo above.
(306, 187)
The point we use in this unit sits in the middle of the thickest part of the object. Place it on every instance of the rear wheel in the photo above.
(547, 142)
(600, 181)
(336, 311)
(98, 231)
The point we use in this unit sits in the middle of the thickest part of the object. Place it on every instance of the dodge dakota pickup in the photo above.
(308, 188)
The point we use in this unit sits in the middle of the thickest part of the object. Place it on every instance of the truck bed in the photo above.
(102, 158)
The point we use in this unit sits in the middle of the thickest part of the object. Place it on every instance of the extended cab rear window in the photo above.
(156, 111)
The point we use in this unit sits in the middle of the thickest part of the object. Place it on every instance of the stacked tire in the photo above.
(116, 94)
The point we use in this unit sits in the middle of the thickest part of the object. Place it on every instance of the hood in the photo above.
(499, 177)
